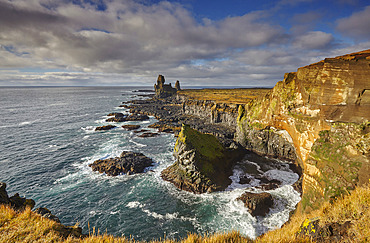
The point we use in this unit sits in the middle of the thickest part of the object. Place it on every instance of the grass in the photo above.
(230, 96)
(29, 227)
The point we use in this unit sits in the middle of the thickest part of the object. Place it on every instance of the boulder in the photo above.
(148, 135)
(128, 163)
(104, 128)
(258, 204)
(46, 213)
(131, 127)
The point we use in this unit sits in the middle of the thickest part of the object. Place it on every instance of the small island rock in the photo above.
(131, 127)
(104, 128)
(128, 163)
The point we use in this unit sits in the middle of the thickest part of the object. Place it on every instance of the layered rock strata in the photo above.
(323, 110)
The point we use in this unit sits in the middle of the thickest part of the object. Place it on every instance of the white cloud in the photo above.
(357, 25)
(314, 40)
(131, 43)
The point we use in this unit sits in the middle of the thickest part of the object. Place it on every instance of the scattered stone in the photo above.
(128, 163)
(244, 180)
(46, 213)
(142, 130)
(258, 204)
(131, 127)
(104, 128)
(269, 186)
(148, 134)
(330, 232)
(116, 114)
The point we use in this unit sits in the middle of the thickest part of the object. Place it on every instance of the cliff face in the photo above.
(323, 110)
(212, 111)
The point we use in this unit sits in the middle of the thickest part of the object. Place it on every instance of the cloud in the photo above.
(314, 40)
(357, 25)
(126, 41)
(126, 37)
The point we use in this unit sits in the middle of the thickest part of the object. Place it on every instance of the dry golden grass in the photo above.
(30, 227)
(230, 96)
(354, 207)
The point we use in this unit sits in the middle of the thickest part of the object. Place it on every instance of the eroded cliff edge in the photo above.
(323, 109)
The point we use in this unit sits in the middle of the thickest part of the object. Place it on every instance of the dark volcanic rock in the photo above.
(4, 198)
(244, 180)
(137, 117)
(46, 213)
(131, 127)
(128, 163)
(21, 202)
(17, 202)
(258, 204)
(133, 117)
(103, 128)
(142, 130)
(148, 134)
(116, 114)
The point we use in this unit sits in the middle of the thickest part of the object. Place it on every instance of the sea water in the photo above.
(47, 141)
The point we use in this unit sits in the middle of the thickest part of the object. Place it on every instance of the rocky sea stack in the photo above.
(202, 164)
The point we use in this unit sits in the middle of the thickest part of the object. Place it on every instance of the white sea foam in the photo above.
(134, 204)
(28, 122)
(287, 178)
(88, 129)
(137, 143)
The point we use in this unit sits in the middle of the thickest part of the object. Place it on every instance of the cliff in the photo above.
(323, 111)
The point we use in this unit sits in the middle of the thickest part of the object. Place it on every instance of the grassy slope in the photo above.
(230, 96)
(30, 227)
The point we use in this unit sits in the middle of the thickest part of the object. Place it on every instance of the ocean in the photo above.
(47, 141)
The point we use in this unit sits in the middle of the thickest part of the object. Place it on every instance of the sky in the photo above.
(199, 42)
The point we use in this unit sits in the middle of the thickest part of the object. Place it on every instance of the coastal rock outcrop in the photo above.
(104, 128)
(131, 127)
(258, 204)
(165, 90)
(46, 213)
(119, 117)
(202, 164)
(15, 201)
(128, 163)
